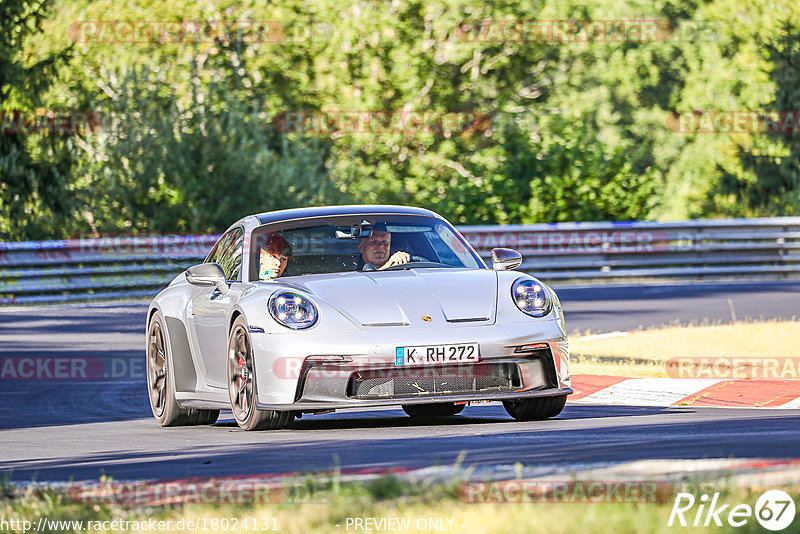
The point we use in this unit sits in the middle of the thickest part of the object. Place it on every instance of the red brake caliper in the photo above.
(242, 379)
(243, 374)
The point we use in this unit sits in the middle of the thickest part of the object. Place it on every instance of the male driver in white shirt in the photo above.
(375, 250)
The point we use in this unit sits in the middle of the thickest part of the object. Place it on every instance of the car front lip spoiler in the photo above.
(394, 401)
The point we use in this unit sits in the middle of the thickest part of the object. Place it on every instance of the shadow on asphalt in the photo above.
(40, 403)
(90, 320)
(54, 403)
(476, 415)
(567, 441)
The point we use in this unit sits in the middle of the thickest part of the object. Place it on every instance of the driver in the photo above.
(274, 254)
(375, 250)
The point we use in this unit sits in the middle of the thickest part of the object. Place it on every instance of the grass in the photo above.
(644, 353)
(387, 497)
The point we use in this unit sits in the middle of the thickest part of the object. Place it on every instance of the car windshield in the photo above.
(361, 243)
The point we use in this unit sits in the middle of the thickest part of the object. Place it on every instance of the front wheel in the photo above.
(441, 409)
(242, 385)
(535, 408)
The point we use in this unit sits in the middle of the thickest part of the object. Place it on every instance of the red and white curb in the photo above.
(617, 390)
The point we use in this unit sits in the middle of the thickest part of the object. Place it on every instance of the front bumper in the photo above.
(304, 406)
(305, 371)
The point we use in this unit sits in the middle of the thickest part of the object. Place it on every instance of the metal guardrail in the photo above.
(109, 267)
(114, 267)
(697, 249)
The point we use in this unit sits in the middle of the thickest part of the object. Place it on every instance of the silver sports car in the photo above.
(306, 311)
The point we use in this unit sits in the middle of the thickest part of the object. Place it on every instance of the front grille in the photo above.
(438, 380)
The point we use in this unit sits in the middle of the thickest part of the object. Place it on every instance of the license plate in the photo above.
(435, 354)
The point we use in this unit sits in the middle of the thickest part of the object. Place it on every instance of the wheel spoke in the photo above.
(240, 386)
(157, 368)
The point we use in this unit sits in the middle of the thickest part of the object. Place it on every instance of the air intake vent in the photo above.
(427, 381)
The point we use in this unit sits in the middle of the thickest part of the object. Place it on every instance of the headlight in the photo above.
(531, 297)
(292, 310)
(559, 310)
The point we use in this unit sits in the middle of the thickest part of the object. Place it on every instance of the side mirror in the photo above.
(504, 259)
(207, 274)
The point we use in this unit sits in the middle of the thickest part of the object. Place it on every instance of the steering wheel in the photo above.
(414, 259)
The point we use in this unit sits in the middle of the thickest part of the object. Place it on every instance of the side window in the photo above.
(228, 254)
(212, 256)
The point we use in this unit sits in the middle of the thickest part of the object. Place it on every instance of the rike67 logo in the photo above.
(774, 510)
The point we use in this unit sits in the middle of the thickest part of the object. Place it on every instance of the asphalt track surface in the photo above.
(60, 430)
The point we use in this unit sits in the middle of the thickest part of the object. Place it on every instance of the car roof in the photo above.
(322, 211)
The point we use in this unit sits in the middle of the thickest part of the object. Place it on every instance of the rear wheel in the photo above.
(441, 409)
(159, 380)
(535, 408)
(210, 418)
(242, 385)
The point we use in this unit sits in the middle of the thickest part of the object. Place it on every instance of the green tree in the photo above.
(163, 164)
(35, 169)
(776, 163)
(576, 130)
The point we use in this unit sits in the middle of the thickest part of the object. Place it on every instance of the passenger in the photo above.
(375, 251)
(273, 256)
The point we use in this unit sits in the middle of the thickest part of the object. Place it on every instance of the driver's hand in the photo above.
(398, 258)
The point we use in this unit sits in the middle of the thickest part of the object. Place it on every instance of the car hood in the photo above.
(409, 297)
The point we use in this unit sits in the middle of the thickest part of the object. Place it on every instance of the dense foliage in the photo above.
(194, 131)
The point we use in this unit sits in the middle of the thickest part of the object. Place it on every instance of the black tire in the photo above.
(242, 385)
(159, 382)
(535, 408)
(211, 417)
(441, 409)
